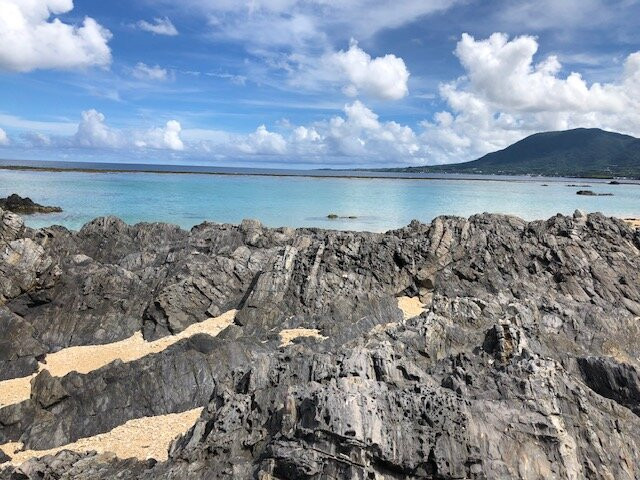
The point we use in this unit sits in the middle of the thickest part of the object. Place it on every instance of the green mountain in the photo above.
(582, 152)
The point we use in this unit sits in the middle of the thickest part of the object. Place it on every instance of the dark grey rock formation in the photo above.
(524, 364)
(25, 206)
(591, 193)
(19, 349)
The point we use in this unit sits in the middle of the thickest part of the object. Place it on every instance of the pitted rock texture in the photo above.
(524, 363)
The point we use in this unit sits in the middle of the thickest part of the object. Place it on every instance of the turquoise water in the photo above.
(379, 204)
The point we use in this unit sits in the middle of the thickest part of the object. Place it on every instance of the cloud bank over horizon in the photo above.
(294, 94)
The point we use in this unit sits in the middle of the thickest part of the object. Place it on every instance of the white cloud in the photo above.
(547, 14)
(359, 135)
(304, 134)
(263, 142)
(362, 134)
(505, 96)
(293, 23)
(167, 138)
(235, 79)
(354, 71)
(160, 26)
(93, 132)
(383, 77)
(143, 71)
(203, 135)
(4, 138)
(29, 40)
(298, 38)
(59, 128)
(37, 139)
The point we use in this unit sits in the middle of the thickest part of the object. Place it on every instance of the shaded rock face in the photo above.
(25, 206)
(19, 349)
(524, 364)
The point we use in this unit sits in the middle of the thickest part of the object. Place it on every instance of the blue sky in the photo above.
(309, 83)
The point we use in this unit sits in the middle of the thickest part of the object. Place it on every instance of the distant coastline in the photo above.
(392, 174)
(580, 153)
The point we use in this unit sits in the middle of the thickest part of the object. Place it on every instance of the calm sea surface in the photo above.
(378, 203)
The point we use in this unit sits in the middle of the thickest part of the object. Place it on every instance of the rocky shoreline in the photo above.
(25, 206)
(518, 358)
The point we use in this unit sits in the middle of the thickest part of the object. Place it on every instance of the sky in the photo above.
(309, 83)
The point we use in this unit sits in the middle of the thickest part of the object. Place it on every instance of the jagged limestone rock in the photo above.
(524, 364)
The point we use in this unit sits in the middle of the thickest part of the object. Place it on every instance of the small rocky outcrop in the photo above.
(25, 206)
(591, 193)
(524, 363)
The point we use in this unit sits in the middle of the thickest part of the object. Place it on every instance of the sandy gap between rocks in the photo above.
(633, 222)
(88, 358)
(411, 307)
(142, 438)
(288, 336)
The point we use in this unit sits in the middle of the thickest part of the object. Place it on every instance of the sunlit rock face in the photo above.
(475, 348)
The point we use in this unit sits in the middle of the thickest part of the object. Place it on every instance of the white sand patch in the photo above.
(88, 358)
(288, 336)
(633, 222)
(15, 390)
(91, 357)
(411, 307)
(142, 438)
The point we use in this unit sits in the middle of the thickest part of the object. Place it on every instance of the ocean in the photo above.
(299, 198)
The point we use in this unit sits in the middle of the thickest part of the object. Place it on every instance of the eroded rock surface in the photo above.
(524, 363)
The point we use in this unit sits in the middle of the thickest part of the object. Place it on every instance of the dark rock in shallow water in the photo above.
(25, 206)
(524, 364)
(590, 193)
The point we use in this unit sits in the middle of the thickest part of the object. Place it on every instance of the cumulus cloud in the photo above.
(159, 26)
(143, 71)
(358, 134)
(505, 95)
(166, 138)
(93, 132)
(263, 142)
(29, 40)
(355, 71)
(383, 77)
(4, 138)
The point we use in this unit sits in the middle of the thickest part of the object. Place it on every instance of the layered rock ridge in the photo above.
(480, 348)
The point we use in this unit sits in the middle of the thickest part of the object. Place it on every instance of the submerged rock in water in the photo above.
(25, 206)
(521, 362)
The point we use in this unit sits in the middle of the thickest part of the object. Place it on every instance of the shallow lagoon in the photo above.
(378, 203)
